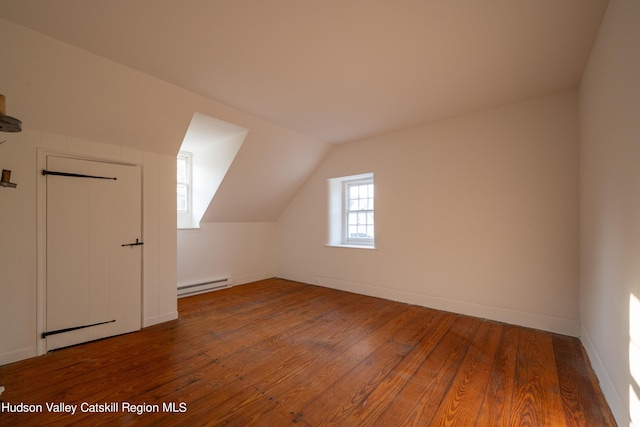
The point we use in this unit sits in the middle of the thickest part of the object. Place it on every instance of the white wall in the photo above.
(18, 249)
(242, 251)
(610, 209)
(22, 249)
(476, 215)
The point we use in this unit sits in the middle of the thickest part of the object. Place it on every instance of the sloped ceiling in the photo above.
(336, 70)
(299, 75)
(58, 89)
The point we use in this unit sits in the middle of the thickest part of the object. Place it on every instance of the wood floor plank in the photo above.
(496, 404)
(133, 349)
(237, 372)
(582, 401)
(462, 403)
(536, 399)
(316, 380)
(423, 393)
(430, 330)
(356, 385)
(279, 353)
(305, 348)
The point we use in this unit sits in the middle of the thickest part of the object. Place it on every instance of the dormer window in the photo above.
(184, 188)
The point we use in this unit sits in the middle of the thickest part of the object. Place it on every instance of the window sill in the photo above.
(370, 247)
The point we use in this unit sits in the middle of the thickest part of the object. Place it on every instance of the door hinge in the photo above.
(137, 243)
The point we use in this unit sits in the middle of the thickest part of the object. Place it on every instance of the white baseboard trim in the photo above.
(150, 321)
(17, 355)
(514, 317)
(619, 409)
(252, 277)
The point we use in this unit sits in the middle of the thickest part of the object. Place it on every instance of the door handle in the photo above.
(137, 243)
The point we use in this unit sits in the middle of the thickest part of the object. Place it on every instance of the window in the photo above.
(351, 211)
(358, 214)
(183, 190)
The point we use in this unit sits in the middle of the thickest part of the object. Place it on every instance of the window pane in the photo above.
(353, 218)
(353, 192)
(370, 231)
(362, 218)
(182, 170)
(182, 200)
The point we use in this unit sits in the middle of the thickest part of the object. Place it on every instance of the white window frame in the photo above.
(339, 212)
(185, 216)
(347, 237)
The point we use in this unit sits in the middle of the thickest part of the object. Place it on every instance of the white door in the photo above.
(93, 282)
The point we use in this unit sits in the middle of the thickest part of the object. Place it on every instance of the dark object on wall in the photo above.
(75, 328)
(75, 175)
(8, 123)
(6, 179)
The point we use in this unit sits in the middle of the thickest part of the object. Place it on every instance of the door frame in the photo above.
(41, 232)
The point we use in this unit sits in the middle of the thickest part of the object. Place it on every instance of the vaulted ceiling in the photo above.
(336, 70)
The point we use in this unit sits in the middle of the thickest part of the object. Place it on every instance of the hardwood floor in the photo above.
(276, 353)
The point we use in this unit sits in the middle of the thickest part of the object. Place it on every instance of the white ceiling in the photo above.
(336, 70)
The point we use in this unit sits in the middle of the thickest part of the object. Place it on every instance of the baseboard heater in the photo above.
(200, 288)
